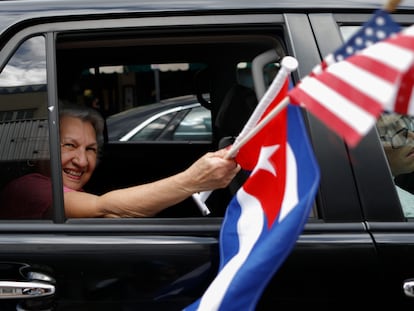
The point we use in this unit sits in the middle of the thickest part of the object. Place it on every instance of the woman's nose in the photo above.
(81, 158)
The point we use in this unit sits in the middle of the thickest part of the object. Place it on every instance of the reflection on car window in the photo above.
(154, 129)
(23, 81)
(27, 66)
(348, 31)
(190, 122)
(397, 137)
(23, 119)
(196, 126)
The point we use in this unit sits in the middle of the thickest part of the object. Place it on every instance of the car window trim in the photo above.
(54, 137)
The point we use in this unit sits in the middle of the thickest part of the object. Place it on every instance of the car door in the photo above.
(384, 220)
(83, 264)
(335, 258)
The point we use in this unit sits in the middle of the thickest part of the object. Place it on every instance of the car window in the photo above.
(169, 96)
(161, 93)
(396, 133)
(23, 126)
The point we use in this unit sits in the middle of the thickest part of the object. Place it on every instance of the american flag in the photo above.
(353, 85)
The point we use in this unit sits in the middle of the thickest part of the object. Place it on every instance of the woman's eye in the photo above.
(69, 146)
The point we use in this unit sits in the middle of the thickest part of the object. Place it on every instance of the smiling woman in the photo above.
(81, 137)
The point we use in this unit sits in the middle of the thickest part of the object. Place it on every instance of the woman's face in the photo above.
(79, 150)
(401, 160)
(398, 141)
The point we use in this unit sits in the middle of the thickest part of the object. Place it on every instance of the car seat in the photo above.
(238, 104)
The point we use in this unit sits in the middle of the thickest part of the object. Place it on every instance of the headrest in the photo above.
(238, 104)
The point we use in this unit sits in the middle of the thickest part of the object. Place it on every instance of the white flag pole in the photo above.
(288, 64)
(251, 127)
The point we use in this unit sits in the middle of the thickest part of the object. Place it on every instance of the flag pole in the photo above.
(252, 127)
(391, 5)
(288, 64)
(273, 113)
(202, 196)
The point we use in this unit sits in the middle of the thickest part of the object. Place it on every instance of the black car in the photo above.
(176, 119)
(357, 246)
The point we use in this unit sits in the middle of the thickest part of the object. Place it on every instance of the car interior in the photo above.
(226, 69)
(215, 66)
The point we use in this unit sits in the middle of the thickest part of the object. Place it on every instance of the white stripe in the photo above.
(409, 31)
(291, 196)
(356, 117)
(250, 224)
(390, 54)
(364, 81)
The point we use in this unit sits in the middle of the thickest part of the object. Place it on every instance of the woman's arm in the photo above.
(209, 172)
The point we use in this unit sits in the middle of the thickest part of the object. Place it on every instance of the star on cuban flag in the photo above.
(267, 214)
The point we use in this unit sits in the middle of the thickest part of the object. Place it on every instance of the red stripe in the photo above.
(349, 92)
(405, 91)
(351, 136)
(403, 41)
(375, 67)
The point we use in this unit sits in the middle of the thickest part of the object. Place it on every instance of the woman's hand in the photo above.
(212, 171)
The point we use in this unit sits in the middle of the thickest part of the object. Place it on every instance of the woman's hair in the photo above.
(87, 114)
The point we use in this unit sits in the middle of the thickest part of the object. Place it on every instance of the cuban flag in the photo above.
(370, 73)
(266, 216)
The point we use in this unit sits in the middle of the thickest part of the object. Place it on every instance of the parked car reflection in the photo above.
(176, 119)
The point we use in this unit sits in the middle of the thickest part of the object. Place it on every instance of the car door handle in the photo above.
(25, 289)
(408, 287)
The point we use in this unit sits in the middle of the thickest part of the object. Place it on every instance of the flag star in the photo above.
(381, 34)
(350, 50)
(380, 21)
(264, 162)
(359, 41)
(369, 31)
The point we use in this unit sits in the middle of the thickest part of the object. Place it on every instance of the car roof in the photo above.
(74, 7)
(146, 5)
(15, 11)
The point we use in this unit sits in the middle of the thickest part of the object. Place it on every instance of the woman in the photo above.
(81, 137)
